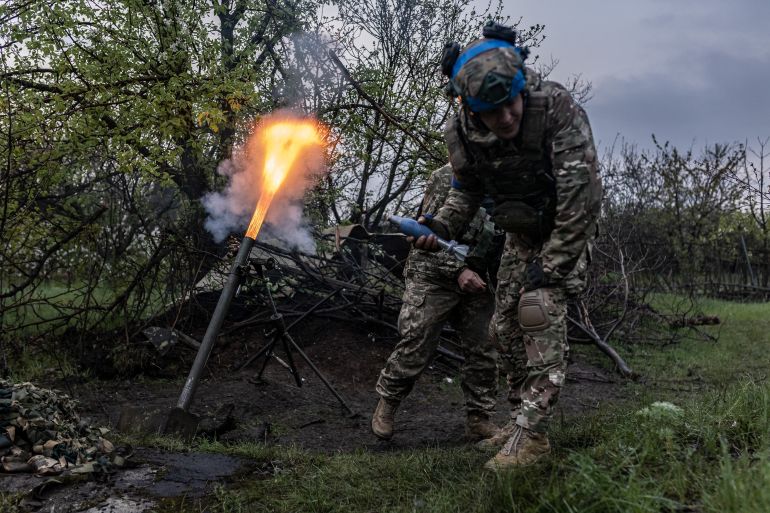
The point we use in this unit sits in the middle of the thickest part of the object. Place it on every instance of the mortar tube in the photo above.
(215, 324)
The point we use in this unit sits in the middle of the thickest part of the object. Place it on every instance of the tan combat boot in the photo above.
(499, 438)
(524, 447)
(382, 419)
(479, 427)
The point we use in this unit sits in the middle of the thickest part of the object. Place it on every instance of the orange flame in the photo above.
(283, 143)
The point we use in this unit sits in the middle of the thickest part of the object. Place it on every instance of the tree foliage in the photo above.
(686, 210)
(115, 117)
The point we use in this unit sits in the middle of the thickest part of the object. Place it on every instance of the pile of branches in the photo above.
(356, 278)
(618, 304)
(345, 286)
(349, 279)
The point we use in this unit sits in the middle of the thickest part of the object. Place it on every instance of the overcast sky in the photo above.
(690, 71)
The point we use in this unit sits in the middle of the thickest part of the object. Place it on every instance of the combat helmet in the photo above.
(489, 72)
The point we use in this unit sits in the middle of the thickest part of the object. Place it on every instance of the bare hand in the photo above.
(428, 243)
(469, 281)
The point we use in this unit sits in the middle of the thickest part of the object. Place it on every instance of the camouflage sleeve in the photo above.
(457, 211)
(480, 252)
(578, 190)
(432, 184)
(439, 268)
(478, 237)
(450, 267)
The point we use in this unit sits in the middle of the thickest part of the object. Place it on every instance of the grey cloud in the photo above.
(687, 70)
(728, 100)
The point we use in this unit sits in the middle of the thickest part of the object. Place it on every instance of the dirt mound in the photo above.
(275, 410)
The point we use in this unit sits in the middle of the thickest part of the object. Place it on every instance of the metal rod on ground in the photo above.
(288, 338)
(278, 318)
(280, 332)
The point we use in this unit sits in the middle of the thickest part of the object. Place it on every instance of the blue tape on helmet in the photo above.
(480, 48)
(518, 82)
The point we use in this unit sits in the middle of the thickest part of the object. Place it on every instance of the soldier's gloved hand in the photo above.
(470, 282)
(535, 276)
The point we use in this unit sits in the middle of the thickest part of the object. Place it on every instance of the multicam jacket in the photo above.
(544, 183)
(442, 268)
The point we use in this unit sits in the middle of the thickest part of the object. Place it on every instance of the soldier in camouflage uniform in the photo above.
(527, 144)
(439, 288)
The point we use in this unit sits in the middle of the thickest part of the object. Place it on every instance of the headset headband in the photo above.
(470, 53)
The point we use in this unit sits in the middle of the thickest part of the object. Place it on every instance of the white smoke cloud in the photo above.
(293, 230)
(231, 209)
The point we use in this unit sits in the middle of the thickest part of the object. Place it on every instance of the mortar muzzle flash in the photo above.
(414, 229)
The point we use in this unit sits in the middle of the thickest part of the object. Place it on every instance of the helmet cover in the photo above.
(488, 73)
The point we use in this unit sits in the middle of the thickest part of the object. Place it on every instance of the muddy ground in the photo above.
(274, 410)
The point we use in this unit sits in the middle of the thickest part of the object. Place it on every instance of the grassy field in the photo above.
(695, 436)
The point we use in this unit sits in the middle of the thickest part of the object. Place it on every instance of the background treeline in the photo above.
(699, 219)
(114, 117)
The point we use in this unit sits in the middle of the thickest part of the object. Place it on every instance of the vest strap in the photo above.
(533, 123)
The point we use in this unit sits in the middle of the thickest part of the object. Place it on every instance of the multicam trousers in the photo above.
(535, 361)
(427, 306)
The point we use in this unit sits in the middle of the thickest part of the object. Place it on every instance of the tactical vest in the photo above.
(517, 176)
(438, 189)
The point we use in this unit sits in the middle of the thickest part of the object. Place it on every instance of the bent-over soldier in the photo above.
(524, 142)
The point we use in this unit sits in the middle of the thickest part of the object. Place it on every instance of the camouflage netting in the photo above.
(41, 433)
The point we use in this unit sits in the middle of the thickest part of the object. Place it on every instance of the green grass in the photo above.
(41, 365)
(430, 480)
(50, 308)
(743, 485)
(10, 502)
(742, 349)
(706, 454)
(49, 302)
(45, 316)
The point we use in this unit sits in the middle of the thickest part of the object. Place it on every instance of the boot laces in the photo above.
(513, 443)
(388, 409)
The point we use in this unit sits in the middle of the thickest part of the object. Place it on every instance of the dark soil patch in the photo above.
(350, 357)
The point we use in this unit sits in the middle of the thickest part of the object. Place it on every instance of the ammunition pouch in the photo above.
(519, 217)
(533, 315)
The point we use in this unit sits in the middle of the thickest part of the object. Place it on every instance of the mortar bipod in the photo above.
(280, 332)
